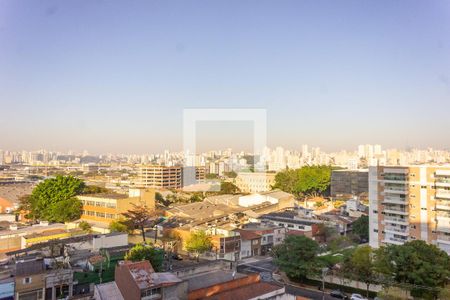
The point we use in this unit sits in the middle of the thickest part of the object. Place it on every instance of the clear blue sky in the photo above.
(115, 76)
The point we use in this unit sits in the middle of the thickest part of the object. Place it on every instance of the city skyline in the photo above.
(117, 76)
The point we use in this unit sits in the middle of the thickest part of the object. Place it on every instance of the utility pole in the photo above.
(324, 272)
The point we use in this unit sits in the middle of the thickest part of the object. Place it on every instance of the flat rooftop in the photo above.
(247, 292)
(107, 291)
(105, 196)
(207, 279)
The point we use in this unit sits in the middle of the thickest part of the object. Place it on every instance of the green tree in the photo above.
(198, 242)
(147, 252)
(414, 265)
(297, 257)
(306, 181)
(118, 226)
(55, 200)
(228, 188)
(159, 197)
(139, 217)
(94, 189)
(196, 197)
(325, 232)
(361, 228)
(85, 226)
(360, 266)
(211, 176)
(286, 180)
(231, 174)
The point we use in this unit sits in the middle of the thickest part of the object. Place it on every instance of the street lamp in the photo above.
(324, 272)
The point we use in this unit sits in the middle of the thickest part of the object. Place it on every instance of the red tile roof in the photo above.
(248, 234)
(246, 292)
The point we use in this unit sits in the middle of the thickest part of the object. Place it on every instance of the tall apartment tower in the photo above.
(409, 203)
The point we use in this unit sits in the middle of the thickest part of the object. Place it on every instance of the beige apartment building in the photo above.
(163, 177)
(250, 182)
(160, 177)
(409, 203)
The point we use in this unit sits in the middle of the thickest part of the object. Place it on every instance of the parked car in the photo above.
(338, 294)
(177, 257)
(357, 297)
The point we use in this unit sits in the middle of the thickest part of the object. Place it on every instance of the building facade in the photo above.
(105, 208)
(249, 182)
(349, 182)
(409, 203)
(160, 177)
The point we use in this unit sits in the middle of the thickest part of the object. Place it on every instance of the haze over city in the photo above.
(116, 76)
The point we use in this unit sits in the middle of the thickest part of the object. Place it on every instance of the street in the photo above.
(265, 267)
(298, 291)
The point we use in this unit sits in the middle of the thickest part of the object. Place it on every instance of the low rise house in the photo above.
(271, 235)
(250, 243)
(59, 283)
(7, 287)
(11, 238)
(292, 220)
(30, 279)
(138, 280)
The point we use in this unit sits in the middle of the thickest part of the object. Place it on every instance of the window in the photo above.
(27, 280)
(150, 292)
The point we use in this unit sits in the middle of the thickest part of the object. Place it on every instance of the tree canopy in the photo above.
(139, 217)
(306, 181)
(54, 200)
(360, 266)
(361, 228)
(147, 252)
(414, 265)
(198, 242)
(85, 226)
(297, 257)
(118, 226)
(228, 188)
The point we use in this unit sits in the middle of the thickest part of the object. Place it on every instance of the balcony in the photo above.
(442, 182)
(444, 239)
(394, 240)
(442, 205)
(395, 200)
(395, 178)
(396, 220)
(397, 230)
(396, 210)
(443, 194)
(396, 189)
